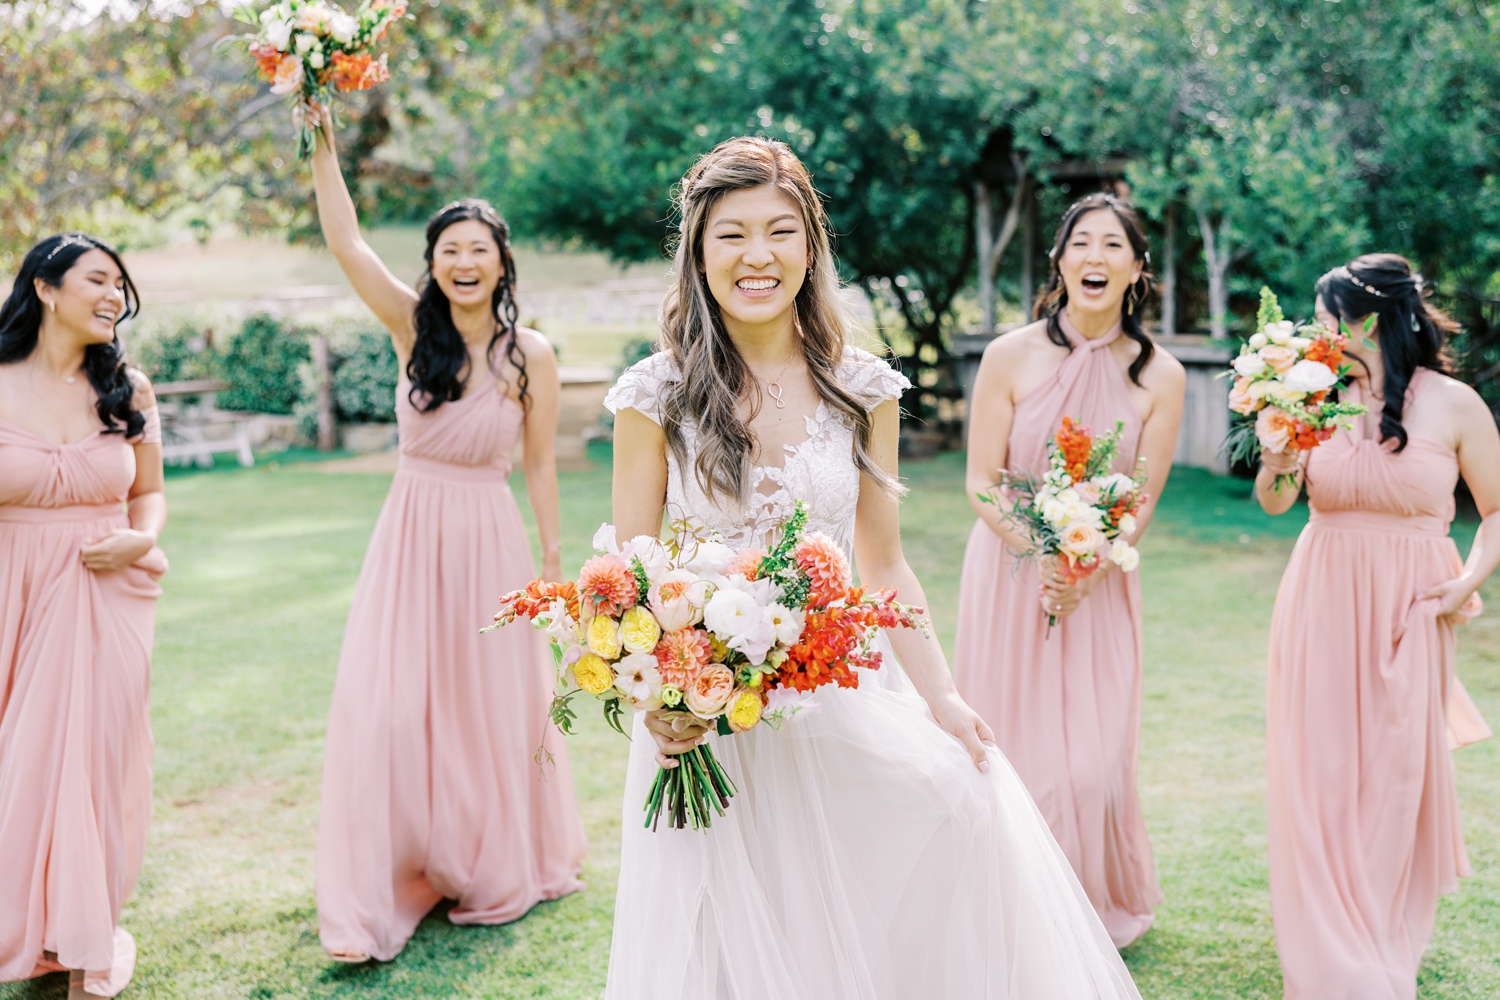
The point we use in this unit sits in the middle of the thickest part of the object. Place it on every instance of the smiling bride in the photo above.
(881, 848)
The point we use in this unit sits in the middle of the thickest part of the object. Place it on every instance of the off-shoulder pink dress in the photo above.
(429, 786)
(1066, 709)
(1364, 829)
(75, 725)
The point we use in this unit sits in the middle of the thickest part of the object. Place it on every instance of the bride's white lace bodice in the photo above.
(820, 471)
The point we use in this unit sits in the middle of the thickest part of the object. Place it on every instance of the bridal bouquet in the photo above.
(1080, 512)
(308, 49)
(735, 639)
(1282, 380)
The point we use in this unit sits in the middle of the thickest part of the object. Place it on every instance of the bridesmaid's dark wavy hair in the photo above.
(104, 364)
(439, 365)
(1412, 331)
(1054, 297)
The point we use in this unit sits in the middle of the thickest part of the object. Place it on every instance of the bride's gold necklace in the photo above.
(773, 387)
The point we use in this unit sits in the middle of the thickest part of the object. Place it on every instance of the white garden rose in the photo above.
(1257, 341)
(279, 34)
(1124, 555)
(1249, 365)
(1309, 376)
(710, 557)
(1281, 332)
(731, 612)
(1127, 524)
(342, 27)
(306, 43)
(1299, 343)
(315, 58)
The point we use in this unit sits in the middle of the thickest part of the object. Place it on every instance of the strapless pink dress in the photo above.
(429, 786)
(75, 724)
(1066, 710)
(1364, 830)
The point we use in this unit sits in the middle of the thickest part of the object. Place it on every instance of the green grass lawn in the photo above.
(263, 568)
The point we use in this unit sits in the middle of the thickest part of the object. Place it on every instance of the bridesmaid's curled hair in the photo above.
(1412, 332)
(104, 364)
(439, 365)
(1054, 297)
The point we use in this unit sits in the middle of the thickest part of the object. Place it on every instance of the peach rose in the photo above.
(709, 690)
(1081, 540)
(1274, 429)
(288, 76)
(1279, 356)
(1240, 398)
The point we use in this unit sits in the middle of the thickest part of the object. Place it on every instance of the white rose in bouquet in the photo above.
(1249, 365)
(279, 34)
(1281, 332)
(1124, 555)
(710, 557)
(1309, 376)
(342, 27)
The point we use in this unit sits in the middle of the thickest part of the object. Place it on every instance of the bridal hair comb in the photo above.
(1344, 272)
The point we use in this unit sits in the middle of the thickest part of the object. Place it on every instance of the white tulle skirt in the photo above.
(864, 858)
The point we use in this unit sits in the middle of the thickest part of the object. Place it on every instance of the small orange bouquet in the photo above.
(309, 50)
(1080, 512)
(1283, 377)
(697, 630)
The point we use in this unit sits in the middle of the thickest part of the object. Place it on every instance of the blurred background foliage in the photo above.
(1292, 135)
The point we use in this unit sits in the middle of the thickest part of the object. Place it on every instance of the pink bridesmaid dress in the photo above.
(430, 789)
(1364, 830)
(75, 725)
(1066, 710)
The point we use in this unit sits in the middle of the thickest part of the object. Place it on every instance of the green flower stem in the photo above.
(691, 792)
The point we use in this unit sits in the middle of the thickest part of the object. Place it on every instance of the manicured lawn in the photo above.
(264, 563)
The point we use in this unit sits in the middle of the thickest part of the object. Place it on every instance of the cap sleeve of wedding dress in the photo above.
(870, 378)
(642, 386)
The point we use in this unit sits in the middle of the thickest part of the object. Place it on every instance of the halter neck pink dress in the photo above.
(1364, 830)
(75, 725)
(1066, 710)
(429, 786)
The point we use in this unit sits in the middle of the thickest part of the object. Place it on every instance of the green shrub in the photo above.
(180, 354)
(364, 379)
(261, 366)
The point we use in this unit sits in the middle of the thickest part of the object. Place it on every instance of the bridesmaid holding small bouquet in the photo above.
(1066, 706)
(430, 789)
(1363, 708)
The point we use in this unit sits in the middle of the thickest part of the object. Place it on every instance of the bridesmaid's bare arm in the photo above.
(391, 300)
(1478, 449)
(147, 501)
(881, 562)
(1273, 500)
(1166, 380)
(991, 414)
(543, 393)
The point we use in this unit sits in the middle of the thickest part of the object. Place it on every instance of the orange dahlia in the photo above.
(746, 564)
(826, 567)
(680, 654)
(607, 585)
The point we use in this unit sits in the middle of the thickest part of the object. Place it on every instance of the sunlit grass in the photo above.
(264, 564)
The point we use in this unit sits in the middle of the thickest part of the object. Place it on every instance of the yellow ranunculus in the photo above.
(744, 710)
(604, 637)
(639, 630)
(593, 674)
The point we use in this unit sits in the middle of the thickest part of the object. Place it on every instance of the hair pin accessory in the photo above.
(1346, 273)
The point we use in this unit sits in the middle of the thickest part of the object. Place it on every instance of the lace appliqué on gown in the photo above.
(820, 470)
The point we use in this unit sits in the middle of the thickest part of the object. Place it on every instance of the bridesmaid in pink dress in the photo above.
(430, 789)
(1066, 708)
(1363, 706)
(79, 444)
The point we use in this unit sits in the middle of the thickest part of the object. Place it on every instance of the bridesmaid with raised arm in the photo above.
(430, 789)
(81, 506)
(1363, 706)
(1066, 705)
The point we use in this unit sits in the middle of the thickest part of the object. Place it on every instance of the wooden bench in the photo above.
(188, 411)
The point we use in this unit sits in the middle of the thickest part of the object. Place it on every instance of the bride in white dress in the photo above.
(880, 848)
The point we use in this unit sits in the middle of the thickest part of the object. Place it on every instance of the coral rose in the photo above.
(593, 674)
(639, 631)
(706, 693)
(1240, 399)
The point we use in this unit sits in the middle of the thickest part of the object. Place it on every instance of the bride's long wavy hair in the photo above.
(715, 378)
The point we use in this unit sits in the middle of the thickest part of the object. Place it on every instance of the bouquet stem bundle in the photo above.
(688, 791)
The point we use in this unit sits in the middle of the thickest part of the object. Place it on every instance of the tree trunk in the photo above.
(1028, 256)
(1216, 254)
(993, 240)
(1169, 272)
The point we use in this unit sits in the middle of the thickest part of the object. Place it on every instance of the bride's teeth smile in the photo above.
(757, 284)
